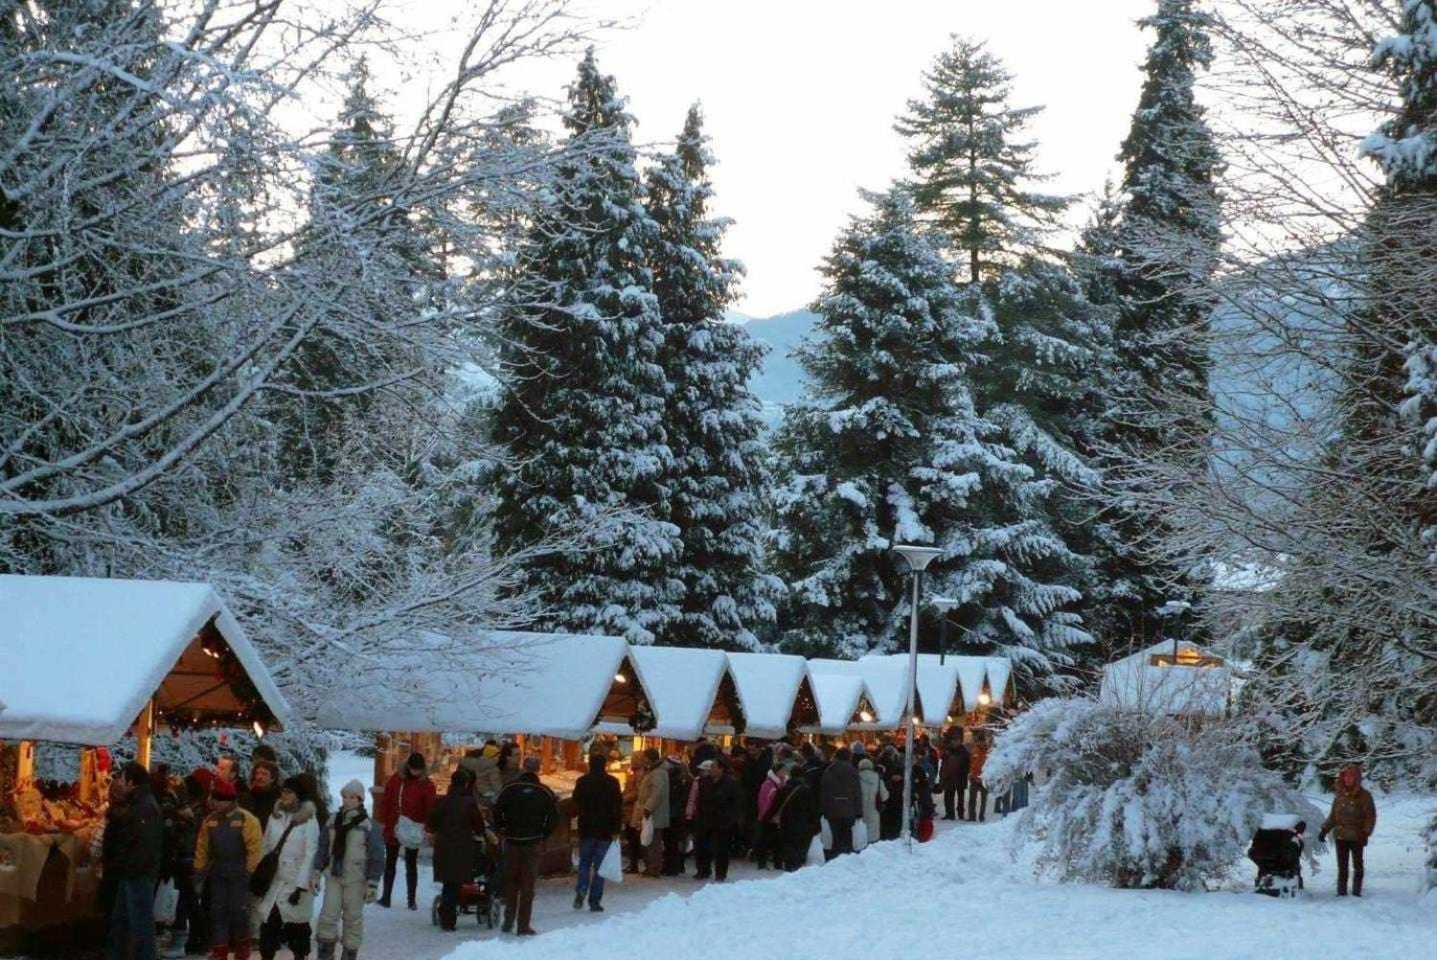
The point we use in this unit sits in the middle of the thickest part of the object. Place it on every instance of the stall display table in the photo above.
(47, 888)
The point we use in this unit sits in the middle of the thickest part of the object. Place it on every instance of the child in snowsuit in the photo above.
(227, 851)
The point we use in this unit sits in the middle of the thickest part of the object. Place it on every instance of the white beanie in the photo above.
(354, 787)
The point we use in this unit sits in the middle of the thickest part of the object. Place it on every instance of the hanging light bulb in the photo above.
(984, 699)
(620, 678)
(258, 729)
(865, 716)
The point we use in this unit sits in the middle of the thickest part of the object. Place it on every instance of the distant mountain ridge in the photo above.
(780, 380)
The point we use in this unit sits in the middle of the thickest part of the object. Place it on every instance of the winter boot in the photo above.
(326, 950)
(350, 953)
(508, 924)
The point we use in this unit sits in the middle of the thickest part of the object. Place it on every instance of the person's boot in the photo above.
(326, 950)
(350, 953)
(508, 925)
(578, 901)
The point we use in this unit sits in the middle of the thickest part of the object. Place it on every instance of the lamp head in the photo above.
(917, 557)
(943, 604)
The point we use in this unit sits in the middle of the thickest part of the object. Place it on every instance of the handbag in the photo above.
(646, 833)
(409, 832)
(267, 867)
(860, 835)
(167, 898)
(611, 868)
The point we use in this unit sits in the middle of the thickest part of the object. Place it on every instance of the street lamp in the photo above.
(918, 559)
(944, 604)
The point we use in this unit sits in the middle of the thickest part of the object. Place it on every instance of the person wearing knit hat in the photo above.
(409, 797)
(227, 850)
(356, 862)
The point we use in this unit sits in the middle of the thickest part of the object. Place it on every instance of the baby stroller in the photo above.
(481, 897)
(1277, 850)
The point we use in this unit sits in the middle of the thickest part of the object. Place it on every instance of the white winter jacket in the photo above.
(296, 863)
(874, 793)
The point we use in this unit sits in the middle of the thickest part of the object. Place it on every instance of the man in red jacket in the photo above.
(404, 809)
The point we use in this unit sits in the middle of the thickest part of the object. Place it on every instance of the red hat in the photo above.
(223, 790)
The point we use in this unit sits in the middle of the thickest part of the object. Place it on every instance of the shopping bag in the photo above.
(825, 833)
(925, 829)
(409, 833)
(167, 898)
(646, 832)
(815, 853)
(611, 868)
(860, 835)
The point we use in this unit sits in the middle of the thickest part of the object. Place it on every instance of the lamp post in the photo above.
(918, 559)
(943, 605)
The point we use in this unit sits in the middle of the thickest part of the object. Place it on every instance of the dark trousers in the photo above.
(1349, 850)
(765, 848)
(187, 906)
(795, 852)
(274, 933)
(711, 851)
(132, 918)
(952, 789)
(449, 906)
(411, 871)
(592, 851)
(842, 831)
(674, 850)
(521, 868)
(229, 910)
(635, 849)
(977, 800)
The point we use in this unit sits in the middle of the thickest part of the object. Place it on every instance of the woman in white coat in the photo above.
(874, 793)
(284, 911)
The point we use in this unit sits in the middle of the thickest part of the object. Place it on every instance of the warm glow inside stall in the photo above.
(775, 695)
(960, 690)
(87, 662)
(693, 693)
(443, 696)
(885, 685)
(843, 703)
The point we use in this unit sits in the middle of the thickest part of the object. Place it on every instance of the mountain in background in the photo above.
(780, 380)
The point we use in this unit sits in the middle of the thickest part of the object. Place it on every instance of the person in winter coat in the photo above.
(404, 808)
(355, 862)
(510, 764)
(874, 796)
(703, 750)
(227, 851)
(716, 816)
(890, 770)
(953, 774)
(284, 911)
(456, 827)
(653, 805)
(193, 805)
(921, 816)
(841, 797)
(136, 837)
(676, 833)
(797, 818)
(484, 766)
(633, 818)
(525, 814)
(977, 789)
(263, 791)
(766, 846)
(601, 814)
(1351, 821)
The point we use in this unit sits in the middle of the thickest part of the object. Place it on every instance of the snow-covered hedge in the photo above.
(1134, 799)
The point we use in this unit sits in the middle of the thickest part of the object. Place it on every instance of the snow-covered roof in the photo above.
(774, 692)
(1194, 682)
(683, 684)
(840, 699)
(548, 684)
(884, 682)
(80, 657)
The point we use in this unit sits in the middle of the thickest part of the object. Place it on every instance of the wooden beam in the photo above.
(145, 733)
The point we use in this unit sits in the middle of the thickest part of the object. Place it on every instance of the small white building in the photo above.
(1177, 678)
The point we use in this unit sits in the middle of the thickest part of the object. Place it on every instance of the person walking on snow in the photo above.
(525, 814)
(284, 911)
(408, 798)
(228, 850)
(456, 828)
(716, 817)
(601, 813)
(355, 864)
(841, 796)
(136, 841)
(653, 805)
(1351, 821)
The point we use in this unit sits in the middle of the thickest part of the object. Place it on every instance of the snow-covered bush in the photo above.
(1135, 799)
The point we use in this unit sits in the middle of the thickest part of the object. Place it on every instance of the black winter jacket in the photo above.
(139, 836)
(842, 792)
(601, 806)
(526, 811)
(718, 804)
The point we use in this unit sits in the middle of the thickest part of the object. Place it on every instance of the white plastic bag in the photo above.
(611, 868)
(825, 833)
(409, 833)
(815, 853)
(646, 832)
(860, 835)
(167, 898)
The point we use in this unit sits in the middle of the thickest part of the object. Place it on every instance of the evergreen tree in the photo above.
(887, 447)
(583, 414)
(719, 474)
(973, 175)
(1152, 262)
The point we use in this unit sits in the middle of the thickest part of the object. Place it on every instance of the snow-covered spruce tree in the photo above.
(583, 414)
(973, 173)
(1133, 798)
(719, 475)
(1160, 253)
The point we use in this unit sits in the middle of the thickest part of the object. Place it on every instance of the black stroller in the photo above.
(481, 897)
(1277, 850)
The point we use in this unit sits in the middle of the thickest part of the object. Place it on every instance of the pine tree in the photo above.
(972, 174)
(1158, 254)
(888, 447)
(719, 474)
(583, 414)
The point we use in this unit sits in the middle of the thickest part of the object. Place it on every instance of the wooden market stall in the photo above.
(87, 662)
(693, 693)
(1178, 678)
(546, 691)
(775, 694)
(885, 685)
(843, 703)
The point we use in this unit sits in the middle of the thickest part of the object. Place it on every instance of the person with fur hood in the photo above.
(283, 913)
(354, 866)
(488, 780)
(1351, 821)
(874, 797)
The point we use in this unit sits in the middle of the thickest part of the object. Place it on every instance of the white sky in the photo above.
(799, 98)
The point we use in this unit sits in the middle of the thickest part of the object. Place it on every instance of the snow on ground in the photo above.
(963, 891)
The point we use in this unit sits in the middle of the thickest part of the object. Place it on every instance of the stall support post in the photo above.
(25, 761)
(145, 734)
